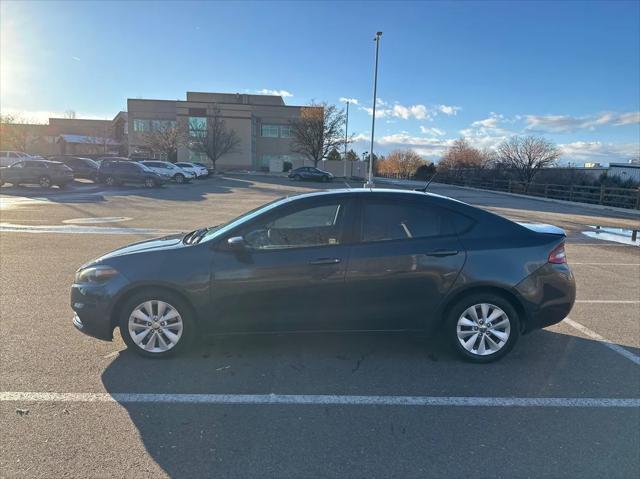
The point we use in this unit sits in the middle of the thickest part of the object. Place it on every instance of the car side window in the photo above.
(20, 164)
(33, 164)
(386, 221)
(307, 227)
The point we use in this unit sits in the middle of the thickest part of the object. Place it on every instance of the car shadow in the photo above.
(209, 440)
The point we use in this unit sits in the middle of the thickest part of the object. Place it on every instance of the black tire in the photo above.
(179, 178)
(296, 178)
(110, 181)
(187, 334)
(44, 181)
(62, 186)
(150, 182)
(493, 300)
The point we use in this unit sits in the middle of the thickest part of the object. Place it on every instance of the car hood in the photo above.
(158, 244)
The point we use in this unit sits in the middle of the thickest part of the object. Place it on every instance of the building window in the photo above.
(141, 125)
(285, 132)
(161, 125)
(197, 125)
(269, 131)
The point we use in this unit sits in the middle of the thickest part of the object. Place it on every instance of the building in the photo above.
(261, 122)
(71, 136)
(625, 171)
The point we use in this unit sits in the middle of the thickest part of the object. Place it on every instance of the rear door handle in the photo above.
(442, 252)
(320, 261)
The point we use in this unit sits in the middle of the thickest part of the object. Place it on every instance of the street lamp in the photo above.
(346, 140)
(369, 183)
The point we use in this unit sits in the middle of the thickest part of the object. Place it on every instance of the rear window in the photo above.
(385, 221)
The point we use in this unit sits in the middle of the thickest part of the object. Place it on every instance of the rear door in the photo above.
(405, 262)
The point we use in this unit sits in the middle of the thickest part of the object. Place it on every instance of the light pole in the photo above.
(369, 183)
(346, 140)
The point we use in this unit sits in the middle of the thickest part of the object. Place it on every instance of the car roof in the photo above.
(373, 192)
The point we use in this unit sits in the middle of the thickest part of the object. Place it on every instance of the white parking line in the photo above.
(571, 263)
(608, 301)
(321, 399)
(75, 229)
(604, 341)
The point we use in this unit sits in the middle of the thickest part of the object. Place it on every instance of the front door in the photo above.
(406, 261)
(291, 275)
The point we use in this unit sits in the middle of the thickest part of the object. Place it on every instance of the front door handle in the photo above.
(320, 261)
(442, 252)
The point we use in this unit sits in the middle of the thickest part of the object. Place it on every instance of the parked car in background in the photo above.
(37, 172)
(8, 158)
(84, 168)
(118, 171)
(210, 170)
(169, 170)
(310, 173)
(346, 260)
(200, 171)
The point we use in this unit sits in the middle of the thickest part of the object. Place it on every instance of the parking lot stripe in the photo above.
(321, 399)
(608, 301)
(604, 341)
(605, 264)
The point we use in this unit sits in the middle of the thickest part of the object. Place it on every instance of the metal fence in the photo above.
(599, 195)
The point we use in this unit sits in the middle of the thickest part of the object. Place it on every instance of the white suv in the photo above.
(200, 171)
(169, 170)
(8, 158)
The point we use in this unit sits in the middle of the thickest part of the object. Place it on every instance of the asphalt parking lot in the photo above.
(563, 403)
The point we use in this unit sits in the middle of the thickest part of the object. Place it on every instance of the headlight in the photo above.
(95, 275)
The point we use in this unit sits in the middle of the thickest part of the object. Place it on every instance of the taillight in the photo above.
(557, 255)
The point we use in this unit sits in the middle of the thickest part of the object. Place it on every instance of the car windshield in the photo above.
(217, 231)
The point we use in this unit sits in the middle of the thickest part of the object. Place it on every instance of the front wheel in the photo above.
(45, 182)
(179, 178)
(483, 327)
(110, 181)
(149, 182)
(156, 324)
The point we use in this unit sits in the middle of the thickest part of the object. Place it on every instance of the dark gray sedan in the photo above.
(349, 260)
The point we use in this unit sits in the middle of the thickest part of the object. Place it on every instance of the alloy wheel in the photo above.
(149, 183)
(155, 326)
(45, 182)
(483, 329)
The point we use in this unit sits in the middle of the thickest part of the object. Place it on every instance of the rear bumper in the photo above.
(548, 295)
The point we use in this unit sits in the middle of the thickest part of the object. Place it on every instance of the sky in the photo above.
(568, 71)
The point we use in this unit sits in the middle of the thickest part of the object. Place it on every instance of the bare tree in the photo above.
(527, 155)
(70, 114)
(215, 139)
(318, 130)
(16, 134)
(164, 140)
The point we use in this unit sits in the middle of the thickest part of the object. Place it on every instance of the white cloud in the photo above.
(427, 147)
(385, 110)
(432, 131)
(568, 123)
(580, 151)
(267, 91)
(448, 109)
(353, 101)
(488, 132)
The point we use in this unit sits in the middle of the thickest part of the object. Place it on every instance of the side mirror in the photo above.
(238, 244)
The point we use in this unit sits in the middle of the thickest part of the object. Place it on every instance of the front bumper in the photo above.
(93, 307)
(548, 295)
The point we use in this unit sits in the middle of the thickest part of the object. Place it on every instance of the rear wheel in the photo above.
(149, 182)
(110, 181)
(156, 324)
(296, 178)
(483, 327)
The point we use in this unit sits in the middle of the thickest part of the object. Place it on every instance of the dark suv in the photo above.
(116, 171)
(37, 172)
(82, 167)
